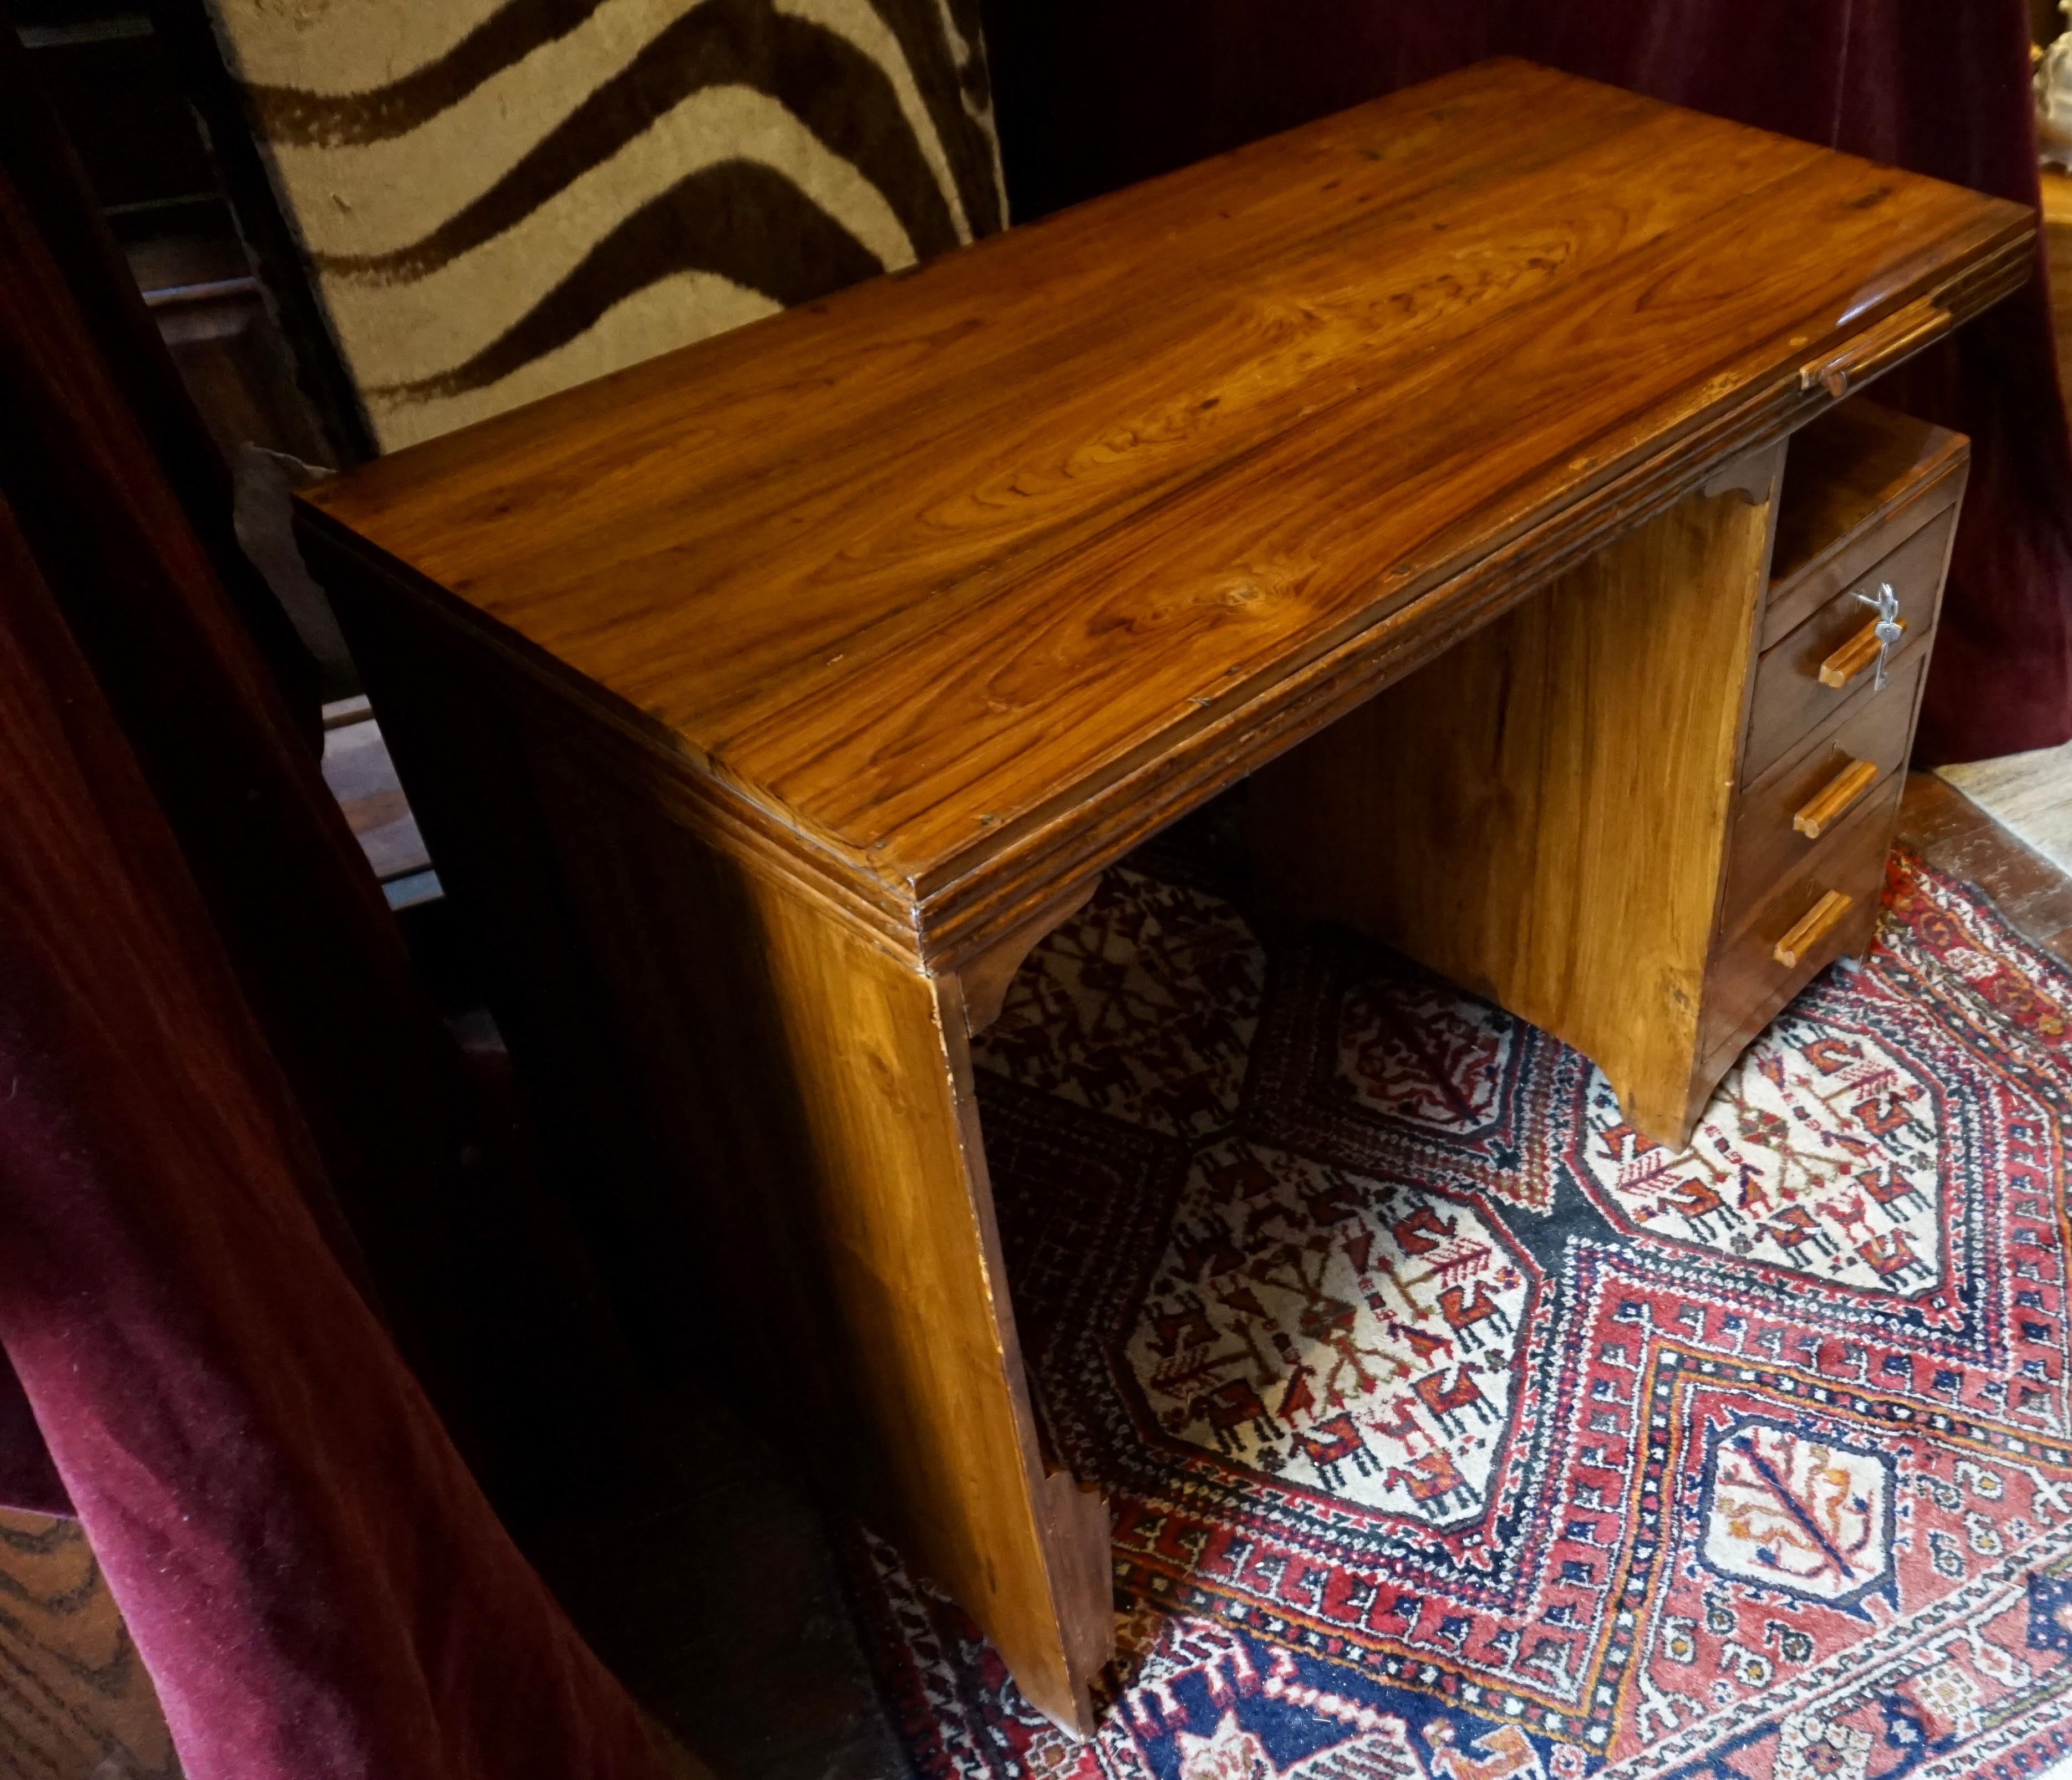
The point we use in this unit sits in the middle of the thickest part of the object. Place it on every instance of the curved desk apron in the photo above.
(767, 702)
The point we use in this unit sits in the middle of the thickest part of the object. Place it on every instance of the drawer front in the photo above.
(1791, 699)
(1784, 815)
(1796, 929)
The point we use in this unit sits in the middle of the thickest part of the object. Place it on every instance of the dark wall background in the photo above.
(1093, 94)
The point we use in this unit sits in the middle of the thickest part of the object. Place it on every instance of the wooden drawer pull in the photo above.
(1857, 654)
(1813, 926)
(1874, 349)
(1835, 798)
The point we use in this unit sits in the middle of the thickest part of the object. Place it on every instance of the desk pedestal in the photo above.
(1542, 814)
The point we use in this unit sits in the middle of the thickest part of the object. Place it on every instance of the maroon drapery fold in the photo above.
(230, 1124)
(307, 1569)
(108, 470)
(1092, 94)
(114, 481)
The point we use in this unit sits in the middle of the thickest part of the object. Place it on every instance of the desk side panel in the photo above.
(769, 1118)
(1540, 814)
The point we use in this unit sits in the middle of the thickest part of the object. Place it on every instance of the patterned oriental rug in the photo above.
(1451, 1430)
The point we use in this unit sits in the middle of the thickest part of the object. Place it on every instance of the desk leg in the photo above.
(769, 1118)
(906, 1211)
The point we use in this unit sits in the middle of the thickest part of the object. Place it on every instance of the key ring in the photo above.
(1888, 630)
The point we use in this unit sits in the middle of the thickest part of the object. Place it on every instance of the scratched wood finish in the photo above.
(1955, 836)
(767, 700)
(1541, 815)
(925, 567)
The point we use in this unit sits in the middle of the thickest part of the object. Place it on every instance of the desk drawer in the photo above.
(1800, 927)
(1791, 695)
(1783, 815)
(1859, 480)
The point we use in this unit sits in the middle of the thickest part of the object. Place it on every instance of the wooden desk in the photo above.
(770, 700)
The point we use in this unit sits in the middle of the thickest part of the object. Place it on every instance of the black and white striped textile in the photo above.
(500, 200)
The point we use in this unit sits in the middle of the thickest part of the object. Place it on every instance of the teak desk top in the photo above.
(963, 580)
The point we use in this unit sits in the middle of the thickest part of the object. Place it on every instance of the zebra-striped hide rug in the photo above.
(500, 200)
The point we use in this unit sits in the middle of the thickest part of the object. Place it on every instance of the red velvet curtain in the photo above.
(1092, 94)
(228, 1123)
(310, 1573)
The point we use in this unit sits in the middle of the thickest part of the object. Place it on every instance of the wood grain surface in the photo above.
(1748, 984)
(931, 575)
(1547, 814)
(1541, 815)
(2057, 247)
